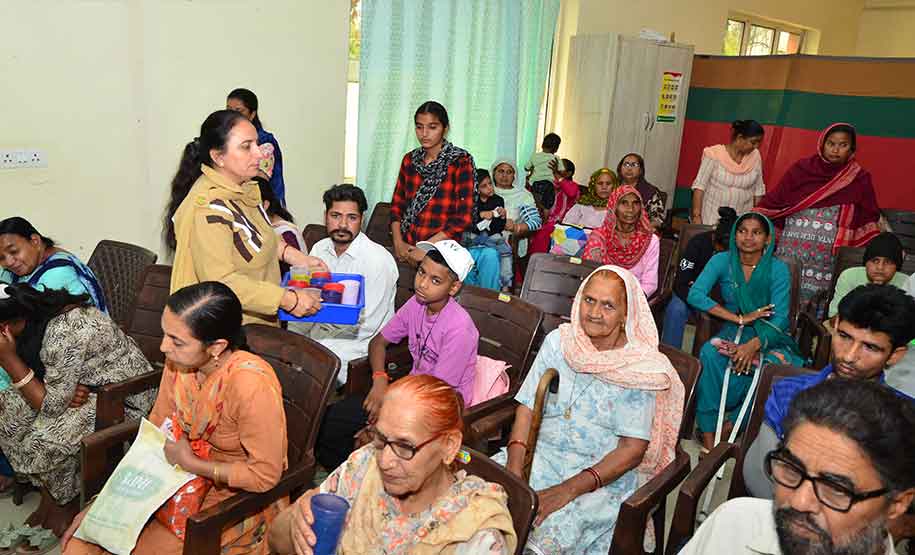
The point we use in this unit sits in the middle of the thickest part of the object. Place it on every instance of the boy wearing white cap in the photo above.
(441, 336)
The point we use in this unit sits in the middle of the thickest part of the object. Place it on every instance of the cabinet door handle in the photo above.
(652, 124)
(647, 117)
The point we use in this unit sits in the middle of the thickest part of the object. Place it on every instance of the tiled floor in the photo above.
(10, 513)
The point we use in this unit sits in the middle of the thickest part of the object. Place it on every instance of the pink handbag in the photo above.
(491, 380)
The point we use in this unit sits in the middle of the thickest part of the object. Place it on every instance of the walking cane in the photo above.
(740, 416)
(549, 383)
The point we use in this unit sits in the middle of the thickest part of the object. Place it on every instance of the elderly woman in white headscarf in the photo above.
(612, 425)
(522, 219)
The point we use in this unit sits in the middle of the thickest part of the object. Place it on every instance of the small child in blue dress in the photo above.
(489, 225)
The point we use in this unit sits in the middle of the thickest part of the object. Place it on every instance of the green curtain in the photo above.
(486, 61)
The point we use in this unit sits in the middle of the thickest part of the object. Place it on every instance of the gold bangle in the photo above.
(216, 473)
(25, 380)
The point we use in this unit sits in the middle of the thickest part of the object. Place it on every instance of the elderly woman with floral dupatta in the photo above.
(627, 239)
(404, 496)
(823, 202)
(612, 425)
(228, 405)
(756, 293)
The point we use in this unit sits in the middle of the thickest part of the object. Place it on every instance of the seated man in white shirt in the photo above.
(846, 467)
(347, 250)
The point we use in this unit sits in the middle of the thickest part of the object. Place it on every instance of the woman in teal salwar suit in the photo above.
(756, 292)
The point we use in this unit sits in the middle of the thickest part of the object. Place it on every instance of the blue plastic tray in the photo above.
(332, 313)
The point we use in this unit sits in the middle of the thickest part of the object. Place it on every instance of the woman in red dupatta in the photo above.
(823, 202)
(626, 238)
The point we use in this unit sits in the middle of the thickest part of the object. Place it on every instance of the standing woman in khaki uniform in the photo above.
(216, 226)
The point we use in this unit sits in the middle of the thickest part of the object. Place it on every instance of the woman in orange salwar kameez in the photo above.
(228, 403)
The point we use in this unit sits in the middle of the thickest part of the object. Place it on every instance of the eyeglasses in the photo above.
(402, 449)
(632, 165)
(833, 495)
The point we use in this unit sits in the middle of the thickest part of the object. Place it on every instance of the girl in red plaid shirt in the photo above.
(436, 188)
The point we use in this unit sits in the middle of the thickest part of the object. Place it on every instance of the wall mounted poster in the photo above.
(669, 96)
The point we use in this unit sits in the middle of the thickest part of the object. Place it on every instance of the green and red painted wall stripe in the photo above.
(795, 97)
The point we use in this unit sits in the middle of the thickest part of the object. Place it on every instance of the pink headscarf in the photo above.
(636, 365)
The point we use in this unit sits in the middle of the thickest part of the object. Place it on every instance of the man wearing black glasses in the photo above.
(845, 468)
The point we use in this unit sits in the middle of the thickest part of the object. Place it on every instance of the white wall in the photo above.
(832, 27)
(113, 89)
(887, 31)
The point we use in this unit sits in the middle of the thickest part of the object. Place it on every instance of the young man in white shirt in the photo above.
(347, 250)
(846, 467)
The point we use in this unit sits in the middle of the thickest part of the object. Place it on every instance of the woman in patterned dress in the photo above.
(403, 496)
(51, 341)
(730, 175)
(612, 425)
(823, 202)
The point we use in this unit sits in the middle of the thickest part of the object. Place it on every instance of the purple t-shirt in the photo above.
(443, 345)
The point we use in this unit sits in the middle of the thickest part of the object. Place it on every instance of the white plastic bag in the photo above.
(141, 483)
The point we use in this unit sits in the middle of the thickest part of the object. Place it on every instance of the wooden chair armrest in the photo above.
(109, 409)
(810, 329)
(684, 521)
(100, 452)
(359, 371)
(706, 328)
(658, 304)
(636, 510)
(479, 430)
(204, 529)
(490, 406)
(660, 299)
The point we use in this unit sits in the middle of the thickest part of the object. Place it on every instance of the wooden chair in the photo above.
(684, 522)
(649, 501)
(119, 268)
(507, 330)
(312, 234)
(522, 500)
(379, 227)
(145, 327)
(145, 322)
(902, 222)
(659, 304)
(405, 279)
(666, 261)
(307, 372)
(551, 284)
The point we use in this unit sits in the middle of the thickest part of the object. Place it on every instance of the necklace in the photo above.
(568, 412)
(422, 348)
(751, 266)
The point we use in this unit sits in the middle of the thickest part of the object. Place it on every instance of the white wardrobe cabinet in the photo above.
(626, 94)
